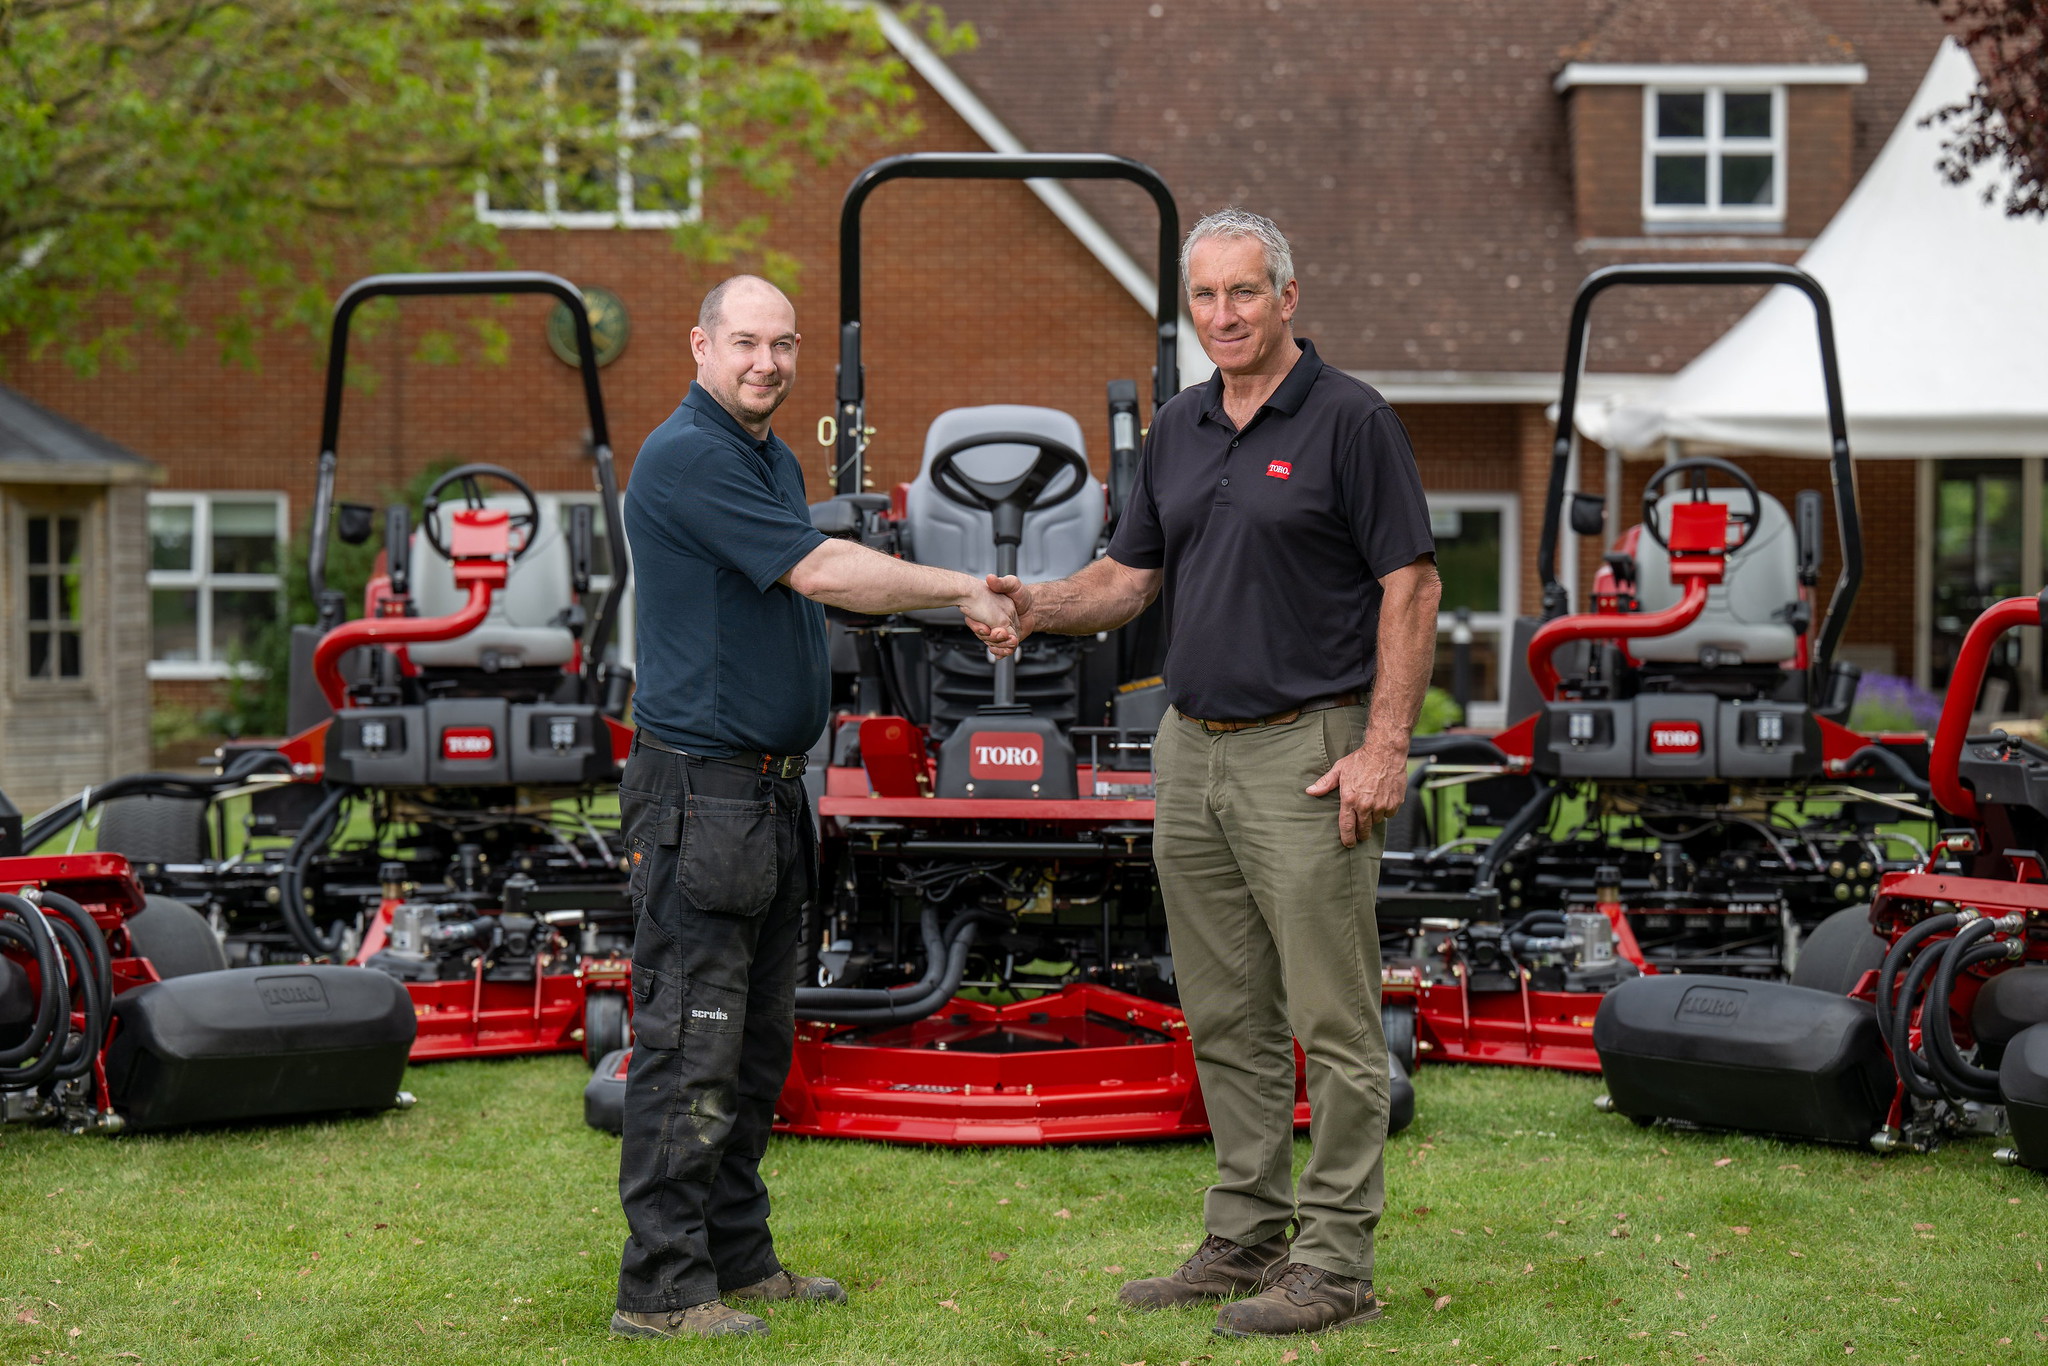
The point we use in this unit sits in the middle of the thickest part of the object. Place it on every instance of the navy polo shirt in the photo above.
(1273, 539)
(729, 659)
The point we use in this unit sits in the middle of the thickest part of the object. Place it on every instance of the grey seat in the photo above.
(520, 630)
(1747, 617)
(1058, 540)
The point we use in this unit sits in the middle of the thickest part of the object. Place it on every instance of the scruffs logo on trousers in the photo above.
(1006, 754)
(1280, 469)
(468, 742)
(709, 1015)
(1674, 737)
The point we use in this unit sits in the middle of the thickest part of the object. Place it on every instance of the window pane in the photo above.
(39, 597)
(1468, 561)
(662, 167)
(38, 654)
(1681, 180)
(170, 536)
(174, 625)
(238, 615)
(586, 179)
(38, 540)
(70, 655)
(587, 88)
(244, 538)
(1746, 115)
(1682, 116)
(68, 547)
(661, 90)
(1484, 666)
(1746, 180)
(69, 596)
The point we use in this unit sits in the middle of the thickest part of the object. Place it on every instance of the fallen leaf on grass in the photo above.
(1799, 1254)
(1923, 1228)
(1112, 1270)
(27, 1316)
(1062, 1214)
(1439, 1303)
(950, 1304)
(999, 1256)
(74, 1332)
(1528, 1267)
(1723, 1161)
(132, 1356)
(1422, 1211)
(1290, 1355)
(1742, 1229)
(1004, 1201)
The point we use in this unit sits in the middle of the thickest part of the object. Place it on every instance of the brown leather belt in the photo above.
(1279, 718)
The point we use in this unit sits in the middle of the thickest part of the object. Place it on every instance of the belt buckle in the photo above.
(784, 766)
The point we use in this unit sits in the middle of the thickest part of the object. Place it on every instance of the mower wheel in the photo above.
(175, 939)
(604, 1025)
(154, 829)
(1408, 828)
(1838, 952)
(1397, 1022)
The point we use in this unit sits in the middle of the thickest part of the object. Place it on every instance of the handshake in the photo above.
(999, 612)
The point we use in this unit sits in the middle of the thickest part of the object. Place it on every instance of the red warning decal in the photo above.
(1006, 754)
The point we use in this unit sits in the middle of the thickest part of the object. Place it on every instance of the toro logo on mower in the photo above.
(469, 742)
(1006, 754)
(1674, 737)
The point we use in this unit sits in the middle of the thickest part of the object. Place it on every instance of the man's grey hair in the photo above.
(712, 311)
(1241, 223)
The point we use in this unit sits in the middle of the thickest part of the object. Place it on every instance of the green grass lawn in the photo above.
(483, 1226)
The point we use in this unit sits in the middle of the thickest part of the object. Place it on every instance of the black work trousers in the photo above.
(723, 861)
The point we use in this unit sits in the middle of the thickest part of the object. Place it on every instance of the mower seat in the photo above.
(523, 628)
(1748, 617)
(1058, 540)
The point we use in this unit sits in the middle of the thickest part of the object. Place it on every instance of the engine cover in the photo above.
(258, 1043)
(1007, 752)
(1762, 1057)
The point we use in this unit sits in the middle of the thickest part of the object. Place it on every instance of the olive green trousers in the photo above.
(1274, 940)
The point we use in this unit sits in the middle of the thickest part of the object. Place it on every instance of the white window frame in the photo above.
(1490, 712)
(201, 579)
(631, 130)
(1713, 147)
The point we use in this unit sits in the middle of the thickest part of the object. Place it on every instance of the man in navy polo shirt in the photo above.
(1279, 509)
(733, 690)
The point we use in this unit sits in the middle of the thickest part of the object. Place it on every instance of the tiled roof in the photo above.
(1710, 31)
(1416, 154)
(33, 437)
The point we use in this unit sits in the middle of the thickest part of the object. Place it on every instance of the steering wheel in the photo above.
(1007, 501)
(1747, 520)
(527, 522)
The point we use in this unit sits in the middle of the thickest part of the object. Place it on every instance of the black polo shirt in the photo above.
(1274, 538)
(729, 658)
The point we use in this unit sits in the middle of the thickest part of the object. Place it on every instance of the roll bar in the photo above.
(1966, 679)
(599, 634)
(1842, 470)
(852, 385)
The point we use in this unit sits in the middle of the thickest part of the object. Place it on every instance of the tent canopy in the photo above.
(1939, 302)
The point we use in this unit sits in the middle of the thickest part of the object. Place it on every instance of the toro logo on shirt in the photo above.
(468, 742)
(1674, 737)
(1015, 754)
(1280, 469)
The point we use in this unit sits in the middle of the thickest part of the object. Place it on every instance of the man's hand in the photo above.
(1369, 782)
(993, 618)
(1019, 594)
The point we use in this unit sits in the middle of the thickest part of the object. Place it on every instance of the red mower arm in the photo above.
(1699, 548)
(479, 546)
(1964, 681)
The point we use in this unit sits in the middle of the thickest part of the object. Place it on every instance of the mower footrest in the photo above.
(258, 1043)
(1763, 1057)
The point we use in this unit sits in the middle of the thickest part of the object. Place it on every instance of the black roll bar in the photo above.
(598, 636)
(852, 385)
(1842, 469)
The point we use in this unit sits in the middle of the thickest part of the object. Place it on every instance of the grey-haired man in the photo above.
(1280, 510)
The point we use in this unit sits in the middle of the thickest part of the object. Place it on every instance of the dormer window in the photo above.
(1713, 155)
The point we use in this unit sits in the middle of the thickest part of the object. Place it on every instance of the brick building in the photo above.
(1448, 174)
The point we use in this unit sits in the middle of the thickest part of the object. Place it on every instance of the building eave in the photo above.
(1693, 73)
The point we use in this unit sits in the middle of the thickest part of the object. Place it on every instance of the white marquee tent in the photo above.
(1941, 320)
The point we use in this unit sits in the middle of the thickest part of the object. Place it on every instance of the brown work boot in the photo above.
(784, 1286)
(1305, 1299)
(711, 1319)
(1219, 1270)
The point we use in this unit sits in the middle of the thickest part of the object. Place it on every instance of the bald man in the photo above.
(733, 691)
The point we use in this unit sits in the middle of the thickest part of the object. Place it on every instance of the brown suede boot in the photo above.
(711, 1319)
(784, 1286)
(1219, 1270)
(1305, 1299)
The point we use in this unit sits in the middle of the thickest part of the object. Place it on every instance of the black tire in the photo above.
(1838, 952)
(604, 1025)
(1407, 828)
(1397, 1022)
(175, 939)
(155, 829)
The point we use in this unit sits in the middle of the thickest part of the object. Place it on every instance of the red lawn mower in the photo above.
(439, 814)
(988, 963)
(1678, 793)
(1942, 1031)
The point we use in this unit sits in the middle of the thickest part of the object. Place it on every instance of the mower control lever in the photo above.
(582, 527)
(398, 549)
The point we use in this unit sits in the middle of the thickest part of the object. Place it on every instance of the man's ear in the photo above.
(700, 344)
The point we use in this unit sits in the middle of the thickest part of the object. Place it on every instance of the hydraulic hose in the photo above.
(825, 998)
(54, 820)
(1894, 1025)
(76, 1055)
(88, 930)
(51, 1030)
(1972, 1083)
(1533, 813)
(291, 882)
(1882, 756)
(900, 1007)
